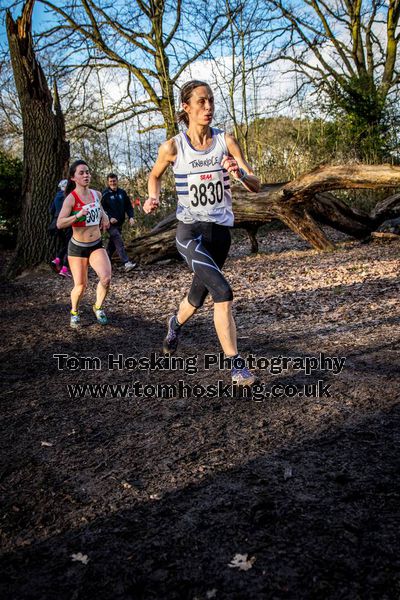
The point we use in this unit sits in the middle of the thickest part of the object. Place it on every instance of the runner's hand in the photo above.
(83, 212)
(113, 221)
(230, 164)
(151, 205)
(105, 223)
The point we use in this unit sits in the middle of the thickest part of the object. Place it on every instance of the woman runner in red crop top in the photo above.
(83, 211)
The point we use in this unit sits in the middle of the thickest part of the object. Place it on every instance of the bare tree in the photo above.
(240, 67)
(153, 41)
(346, 50)
(46, 152)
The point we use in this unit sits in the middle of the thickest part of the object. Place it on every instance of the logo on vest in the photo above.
(209, 162)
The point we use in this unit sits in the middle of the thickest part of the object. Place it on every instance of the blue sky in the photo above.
(39, 15)
(38, 10)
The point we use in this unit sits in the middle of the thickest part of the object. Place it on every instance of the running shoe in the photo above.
(100, 315)
(170, 344)
(56, 264)
(64, 272)
(129, 266)
(75, 319)
(242, 376)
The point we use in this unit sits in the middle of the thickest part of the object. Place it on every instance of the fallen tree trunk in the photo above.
(158, 244)
(389, 208)
(303, 205)
(327, 209)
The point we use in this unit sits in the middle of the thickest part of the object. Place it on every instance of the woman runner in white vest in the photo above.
(202, 159)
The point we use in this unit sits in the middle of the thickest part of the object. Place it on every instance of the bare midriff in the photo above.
(86, 234)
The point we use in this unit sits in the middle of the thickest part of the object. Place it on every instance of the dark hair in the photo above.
(71, 185)
(186, 94)
(112, 176)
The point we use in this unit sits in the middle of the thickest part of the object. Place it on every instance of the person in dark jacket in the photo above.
(60, 263)
(116, 204)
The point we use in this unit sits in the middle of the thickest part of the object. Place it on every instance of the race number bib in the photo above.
(93, 214)
(206, 191)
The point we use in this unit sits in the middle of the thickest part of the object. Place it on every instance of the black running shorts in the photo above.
(83, 249)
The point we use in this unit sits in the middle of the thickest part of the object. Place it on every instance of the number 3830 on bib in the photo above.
(206, 190)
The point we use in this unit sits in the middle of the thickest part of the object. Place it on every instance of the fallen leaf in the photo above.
(79, 557)
(211, 594)
(288, 473)
(241, 562)
(47, 444)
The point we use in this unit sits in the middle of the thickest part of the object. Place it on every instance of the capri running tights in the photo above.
(205, 246)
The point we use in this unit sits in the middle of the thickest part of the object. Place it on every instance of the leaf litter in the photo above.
(217, 466)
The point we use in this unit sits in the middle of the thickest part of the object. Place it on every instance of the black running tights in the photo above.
(205, 246)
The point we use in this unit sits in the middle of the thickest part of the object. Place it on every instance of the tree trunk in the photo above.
(46, 153)
(303, 205)
(171, 126)
(251, 230)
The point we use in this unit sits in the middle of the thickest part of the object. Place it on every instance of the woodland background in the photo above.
(299, 83)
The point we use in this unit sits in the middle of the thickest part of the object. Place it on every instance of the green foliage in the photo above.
(283, 148)
(362, 119)
(360, 98)
(10, 198)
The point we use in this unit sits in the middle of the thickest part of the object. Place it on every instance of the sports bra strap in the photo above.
(78, 199)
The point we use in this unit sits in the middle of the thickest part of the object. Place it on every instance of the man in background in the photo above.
(116, 204)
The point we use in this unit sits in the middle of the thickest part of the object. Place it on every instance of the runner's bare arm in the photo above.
(104, 220)
(237, 165)
(65, 219)
(166, 157)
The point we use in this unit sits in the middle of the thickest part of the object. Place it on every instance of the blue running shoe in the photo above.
(242, 376)
(75, 319)
(170, 344)
(100, 315)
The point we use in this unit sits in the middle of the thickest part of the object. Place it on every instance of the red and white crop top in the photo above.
(93, 215)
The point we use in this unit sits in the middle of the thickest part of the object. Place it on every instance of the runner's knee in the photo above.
(105, 280)
(195, 299)
(222, 292)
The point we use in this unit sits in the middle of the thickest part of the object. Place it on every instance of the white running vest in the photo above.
(202, 185)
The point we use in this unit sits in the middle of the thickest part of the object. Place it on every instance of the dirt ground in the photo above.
(200, 498)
